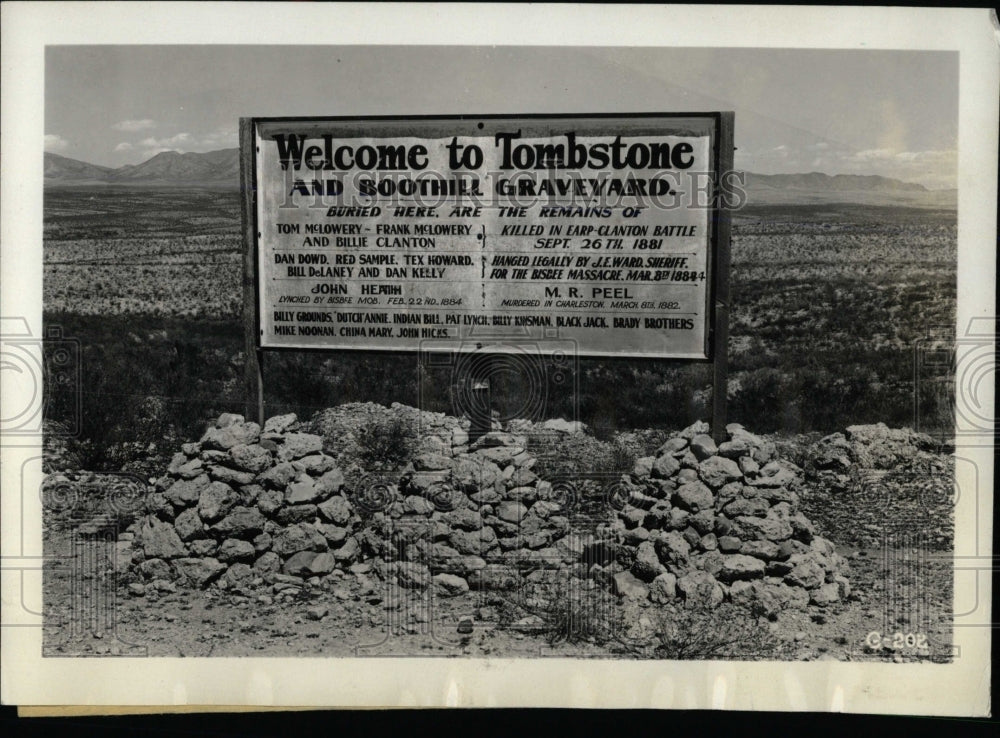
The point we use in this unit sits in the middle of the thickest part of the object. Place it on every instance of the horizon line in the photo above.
(747, 171)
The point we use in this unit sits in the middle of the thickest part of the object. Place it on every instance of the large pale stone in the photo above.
(236, 433)
(296, 538)
(702, 446)
(199, 572)
(337, 510)
(694, 497)
(717, 471)
(250, 458)
(160, 540)
(739, 566)
(647, 566)
(627, 585)
(297, 445)
(242, 522)
(216, 500)
(187, 491)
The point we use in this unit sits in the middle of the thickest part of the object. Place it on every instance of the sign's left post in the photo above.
(253, 377)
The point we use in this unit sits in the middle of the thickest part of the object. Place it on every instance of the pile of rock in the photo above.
(868, 447)
(248, 505)
(872, 486)
(722, 522)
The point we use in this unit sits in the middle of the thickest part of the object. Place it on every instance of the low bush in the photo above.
(578, 455)
(386, 444)
(726, 632)
(570, 610)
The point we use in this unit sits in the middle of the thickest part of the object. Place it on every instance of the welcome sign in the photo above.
(389, 233)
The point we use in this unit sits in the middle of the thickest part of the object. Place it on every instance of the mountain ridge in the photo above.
(223, 164)
(833, 182)
(60, 168)
(221, 168)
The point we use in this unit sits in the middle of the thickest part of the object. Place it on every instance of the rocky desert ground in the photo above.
(529, 540)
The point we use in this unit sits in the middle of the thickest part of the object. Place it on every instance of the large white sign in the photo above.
(404, 234)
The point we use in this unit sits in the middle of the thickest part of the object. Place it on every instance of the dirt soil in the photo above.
(88, 614)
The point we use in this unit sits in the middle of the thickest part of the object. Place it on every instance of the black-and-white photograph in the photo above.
(601, 353)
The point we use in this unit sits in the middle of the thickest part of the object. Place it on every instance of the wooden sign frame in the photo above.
(718, 257)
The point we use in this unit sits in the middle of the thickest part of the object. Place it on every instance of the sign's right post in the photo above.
(720, 324)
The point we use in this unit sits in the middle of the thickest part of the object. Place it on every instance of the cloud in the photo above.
(869, 155)
(165, 144)
(936, 156)
(934, 168)
(225, 137)
(777, 155)
(54, 142)
(184, 141)
(131, 126)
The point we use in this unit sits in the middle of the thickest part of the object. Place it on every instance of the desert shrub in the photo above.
(620, 457)
(386, 443)
(701, 633)
(56, 452)
(571, 610)
(761, 400)
(92, 503)
(307, 382)
(624, 394)
(936, 407)
(140, 385)
(826, 396)
(504, 611)
(578, 455)
(587, 617)
(152, 380)
(576, 611)
(812, 303)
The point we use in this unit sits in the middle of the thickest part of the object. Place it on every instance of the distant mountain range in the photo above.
(222, 168)
(835, 183)
(62, 169)
(816, 188)
(166, 168)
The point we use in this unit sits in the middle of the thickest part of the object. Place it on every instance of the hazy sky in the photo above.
(893, 113)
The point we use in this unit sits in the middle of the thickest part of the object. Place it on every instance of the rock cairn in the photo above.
(716, 522)
(868, 447)
(880, 487)
(248, 506)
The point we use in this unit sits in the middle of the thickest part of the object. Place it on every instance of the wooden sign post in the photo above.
(720, 321)
(253, 375)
